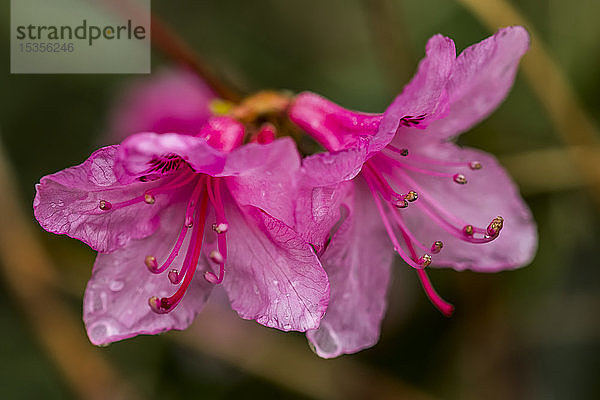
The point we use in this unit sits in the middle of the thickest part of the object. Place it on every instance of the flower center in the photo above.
(171, 174)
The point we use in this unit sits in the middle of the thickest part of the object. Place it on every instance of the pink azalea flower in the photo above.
(174, 215)
(417, 193)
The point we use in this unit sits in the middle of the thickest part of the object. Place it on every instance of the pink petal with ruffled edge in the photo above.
(358, 266)
(425, 98)
(115, 305)
(172, 101)
(272, 275)
(320, 191)
(67, 203)
(482, 77)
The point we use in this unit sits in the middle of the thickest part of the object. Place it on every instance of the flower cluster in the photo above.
(191, 201)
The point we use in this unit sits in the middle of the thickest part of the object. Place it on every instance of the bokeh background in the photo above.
(533, 333)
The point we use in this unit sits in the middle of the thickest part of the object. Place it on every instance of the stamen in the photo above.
(181, 179)
(172, 255)
(151, 263)
(449, 222)
(411, 196)
(474, 165)
(369, 176)
(495, 226)
(191, 206)
(445, 308)
(468, 230)
(154, 303)
(402, 152)
(387, 192)
(166, 304)
(105, 205)
(220, 227)
(436, 246)
(149, 199)
(425, 260)
(460, 179)
(404, 229)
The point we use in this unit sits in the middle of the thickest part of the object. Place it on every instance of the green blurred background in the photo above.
(532, 333)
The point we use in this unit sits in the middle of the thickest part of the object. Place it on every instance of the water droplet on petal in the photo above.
(116, 285)
(460, 179)
(475, 165)
(98, 332)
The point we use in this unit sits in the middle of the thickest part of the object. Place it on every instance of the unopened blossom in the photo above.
(395, 182)
(172, 216)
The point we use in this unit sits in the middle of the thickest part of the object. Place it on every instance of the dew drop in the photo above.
(460, 179)
(99, 332)
(116, 285)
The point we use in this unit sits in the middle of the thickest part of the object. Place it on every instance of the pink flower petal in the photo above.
(333, 126)
(272, 275)
(264, 176)
(425, 98)
(358, 266)
(115, 305)
(483, 75)
(320, 190)
(67, 202)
